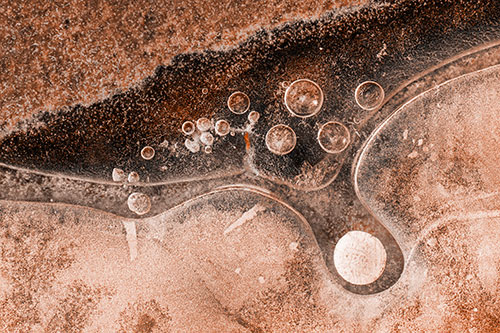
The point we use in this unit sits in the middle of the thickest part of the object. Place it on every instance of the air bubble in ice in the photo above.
(147, 152)
(133, 177)
(139, 203)
(281, 139)
(359, 257)
(222, 127)
(303, 98)
(203, 124)
(238, 102)
(253, 117)
(164, 144)
(369, 95)
(118, 175)
(192, 145)
(188, 127)
(334, 137)
(206, 138)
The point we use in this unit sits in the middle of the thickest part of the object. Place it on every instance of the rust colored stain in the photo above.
(247, 141)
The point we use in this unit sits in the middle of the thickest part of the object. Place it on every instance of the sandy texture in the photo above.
(55, 54)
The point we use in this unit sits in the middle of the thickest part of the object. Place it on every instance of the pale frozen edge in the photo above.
(131, 230)
(247, 216)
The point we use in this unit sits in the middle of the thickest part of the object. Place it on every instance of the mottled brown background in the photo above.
(57, 53)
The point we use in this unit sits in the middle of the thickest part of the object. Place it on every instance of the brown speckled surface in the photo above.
(258, 257)
(60, 53)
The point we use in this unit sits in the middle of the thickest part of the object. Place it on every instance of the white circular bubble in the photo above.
(253, 117)
(147, 152)
(281, 139)
(238, 102)
(118, 175)
(222, 127)
(359, 257)
(188, 127)
(334, 137)
(133, 177)
(207, 138)
(139, 203)
(203, 124)
(369, 95)
(304, 98)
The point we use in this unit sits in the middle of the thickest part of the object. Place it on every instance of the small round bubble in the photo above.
(334, 137)
(281, 139)
(188, 127)
(139, 203)
(133, 177)
(207, 138)
(253, 117)
(238, 102)
(369, 95)
(222, 127)
(118, 175)
(203, 124)
(147, 153)
(303, 98)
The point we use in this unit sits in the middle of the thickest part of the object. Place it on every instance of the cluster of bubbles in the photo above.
(120, 176)
(138, 203)
(239, 103)
(200, 132)
(304, 98)
(200, 135)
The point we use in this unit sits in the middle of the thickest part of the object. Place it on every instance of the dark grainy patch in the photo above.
(145, 317)
(74, 310)
(155, 110)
